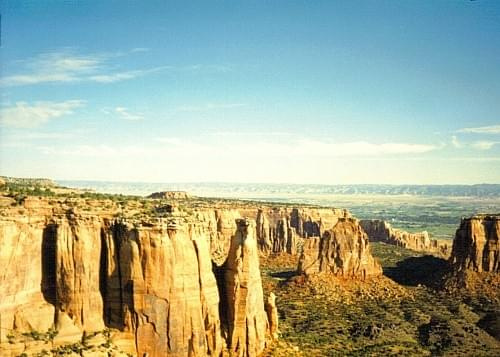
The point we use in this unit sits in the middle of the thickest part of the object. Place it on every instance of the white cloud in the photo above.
(484, 145)
(139, 49)
(360, 148)
(455, 142)
(66, 67)
(255, 151)
(125, 114)
(24, 115)
(492, 129)
(209, 106)
(248, 133)
(120, 76)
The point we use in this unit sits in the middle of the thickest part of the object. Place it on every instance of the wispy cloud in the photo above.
(492, 129)
(189, 147)
(139, 49)
(24, 115)
(121, 76)
(209, 107)
(248, 133)
(67, 67)
(455, 142)
(124, 113)
(484, 145)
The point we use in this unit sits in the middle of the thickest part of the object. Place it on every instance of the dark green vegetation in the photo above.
(400, 314)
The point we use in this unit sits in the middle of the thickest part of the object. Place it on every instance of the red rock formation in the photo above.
(152, 281)
(381, 231)
(247, 318)
(342, 250)
(476, 246)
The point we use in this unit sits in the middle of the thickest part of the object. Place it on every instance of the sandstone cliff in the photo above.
(342, 250)
(246, 316)
(150, 281)
(476, 246)
(381, 231)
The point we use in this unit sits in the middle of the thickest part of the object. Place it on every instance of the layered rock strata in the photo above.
(381, 231)
(476, 246)
(342, 250)
(151, 281)
(246, 316)
(283, 230)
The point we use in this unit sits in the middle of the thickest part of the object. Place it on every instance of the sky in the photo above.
(323, 92)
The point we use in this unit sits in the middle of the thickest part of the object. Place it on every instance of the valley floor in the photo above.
(399, 314)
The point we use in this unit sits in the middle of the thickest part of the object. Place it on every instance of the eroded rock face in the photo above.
(151, 281)
(342, 251)
(281, 230)
(381, 231)
(246, 316)
(476, 246)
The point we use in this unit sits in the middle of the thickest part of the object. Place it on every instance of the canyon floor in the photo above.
(399, 314)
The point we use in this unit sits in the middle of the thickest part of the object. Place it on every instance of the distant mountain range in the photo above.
(257, 190)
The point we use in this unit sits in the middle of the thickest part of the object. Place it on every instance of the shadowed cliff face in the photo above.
(342, 250)
(477, 245)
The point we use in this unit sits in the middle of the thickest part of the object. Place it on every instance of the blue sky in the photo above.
(252, 91)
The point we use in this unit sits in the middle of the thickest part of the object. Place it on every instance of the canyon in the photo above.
(156, 279)
(183, 276)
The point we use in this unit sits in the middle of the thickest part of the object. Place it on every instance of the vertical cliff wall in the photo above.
(152, 280)
(476, 246)
(246, 316)
(342, 250)
(381, 231)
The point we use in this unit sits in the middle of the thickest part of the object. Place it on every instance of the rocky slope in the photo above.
(342, 250)
(381, 231)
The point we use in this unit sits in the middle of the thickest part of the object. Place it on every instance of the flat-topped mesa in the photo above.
(342, 251)
(169, 195)
(381, 231)
(476, 246)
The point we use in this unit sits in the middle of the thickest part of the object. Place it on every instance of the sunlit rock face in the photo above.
(476, 246)
(342, 251)
(246, 315)
(151, 281)
(381, 231)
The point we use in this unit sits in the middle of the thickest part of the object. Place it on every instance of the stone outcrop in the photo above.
(381, 231)
(283, 230)
(272, 315)
(246, 316)
(476, 246)
(152, 282)
(342, 250)
(169, 195)
(277, 229)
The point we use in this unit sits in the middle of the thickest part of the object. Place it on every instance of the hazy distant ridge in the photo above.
(141, 188)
